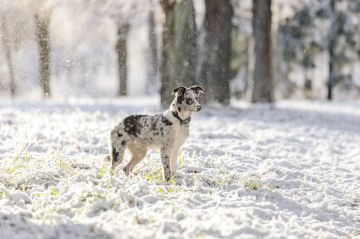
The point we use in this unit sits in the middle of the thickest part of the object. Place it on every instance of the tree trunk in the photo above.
(329, 92)
(179, 53)
(44, 52)
(330, 82)
(122, 58)
(250, 69)
(263, 85)
(152, 56)
(7, 49)
(215, 73)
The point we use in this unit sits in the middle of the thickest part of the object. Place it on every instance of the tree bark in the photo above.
(179, 53)
(42, 25)
(121, 49)
(330, 82)
(7, 49)
(215, 73)
(152, 56)
(263, 85)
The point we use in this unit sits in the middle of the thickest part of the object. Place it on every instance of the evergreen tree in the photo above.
(297, 44)
(340, 38)
(301, 38)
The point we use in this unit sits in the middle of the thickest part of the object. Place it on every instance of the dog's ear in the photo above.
(180, 90)
(197, 89)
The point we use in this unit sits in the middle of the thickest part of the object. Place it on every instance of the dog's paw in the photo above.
(168, 178)
(106, 159)
(126, 171)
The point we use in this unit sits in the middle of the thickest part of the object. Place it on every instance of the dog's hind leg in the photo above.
(117, 146)
(117, 155)
(138, 152)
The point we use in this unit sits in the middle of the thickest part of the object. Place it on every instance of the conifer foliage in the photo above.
(323, 26)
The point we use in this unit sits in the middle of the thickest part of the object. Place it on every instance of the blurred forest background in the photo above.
(257, 50)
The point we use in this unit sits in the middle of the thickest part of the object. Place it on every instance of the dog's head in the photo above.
(187, 99)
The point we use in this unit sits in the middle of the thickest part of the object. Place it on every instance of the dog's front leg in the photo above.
(173, 159)
(165, 161)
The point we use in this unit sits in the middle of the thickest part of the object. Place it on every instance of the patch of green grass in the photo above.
(251, 185)
(180, 155)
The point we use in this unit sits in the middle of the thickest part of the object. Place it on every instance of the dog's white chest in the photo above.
(181, 135)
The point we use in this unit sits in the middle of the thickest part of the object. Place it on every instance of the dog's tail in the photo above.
(106, 159)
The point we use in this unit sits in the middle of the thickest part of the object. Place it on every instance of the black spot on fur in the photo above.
(166, 121)
(180, 95)
(123, 143)
(179, 99)
(114, 154)
(179, 109)
(119, 135)
(154, 121)
(153, 126)
(198, 89)
(161, 128)
(180, 89)
(132, 124)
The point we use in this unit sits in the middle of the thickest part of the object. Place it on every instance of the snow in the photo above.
(291, 170)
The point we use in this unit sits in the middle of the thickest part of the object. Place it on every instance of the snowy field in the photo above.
(288, 171)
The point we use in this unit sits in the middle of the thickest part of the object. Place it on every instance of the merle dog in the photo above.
(165, 132)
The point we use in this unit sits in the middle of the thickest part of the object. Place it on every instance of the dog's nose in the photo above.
(199, 107)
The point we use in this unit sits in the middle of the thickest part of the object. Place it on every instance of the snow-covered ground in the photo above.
(288, 171)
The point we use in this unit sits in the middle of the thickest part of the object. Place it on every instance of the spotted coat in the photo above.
(162, 132)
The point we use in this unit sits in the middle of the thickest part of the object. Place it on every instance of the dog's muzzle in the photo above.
(198, 108)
